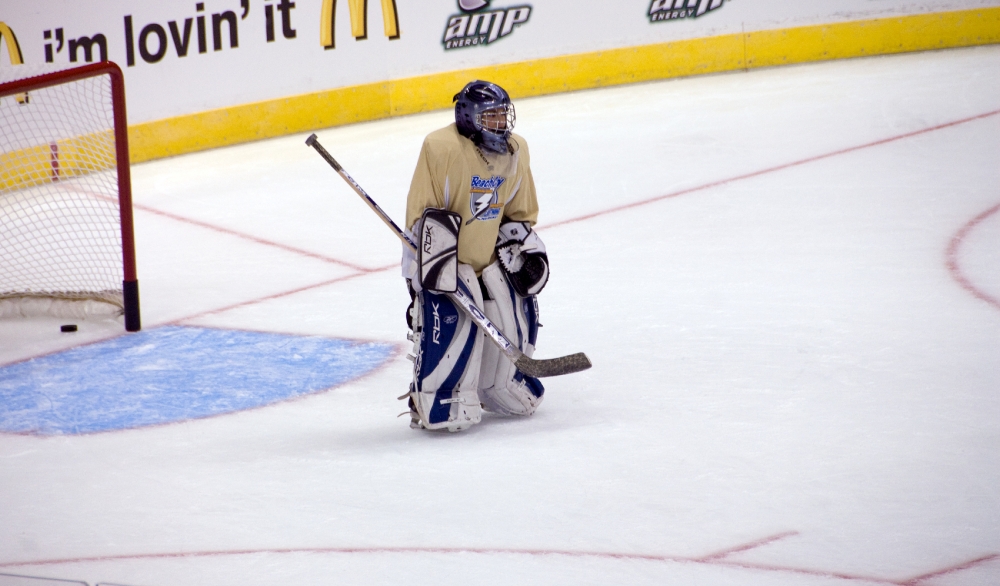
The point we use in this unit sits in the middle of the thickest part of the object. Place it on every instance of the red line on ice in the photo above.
(459, 550)
(808, 572)
(256, 239)
(769, 170)
(709, 560)
(279, 295)
(748, 546)
(568, 221)
(943, 572)
(222, 230)
(952, 257)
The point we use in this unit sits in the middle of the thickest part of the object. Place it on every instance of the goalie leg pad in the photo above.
(502, 388)
(448, 349)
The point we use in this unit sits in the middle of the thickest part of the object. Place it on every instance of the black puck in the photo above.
(68, 328)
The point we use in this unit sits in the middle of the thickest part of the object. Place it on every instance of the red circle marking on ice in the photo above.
(954, 247)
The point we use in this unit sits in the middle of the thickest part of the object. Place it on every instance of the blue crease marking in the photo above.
(173, 373)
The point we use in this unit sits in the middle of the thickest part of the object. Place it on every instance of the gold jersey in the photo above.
(453, 174)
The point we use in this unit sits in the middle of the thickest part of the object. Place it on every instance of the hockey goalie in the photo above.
(470, 210)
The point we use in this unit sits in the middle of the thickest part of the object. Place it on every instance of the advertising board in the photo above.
(186, 58)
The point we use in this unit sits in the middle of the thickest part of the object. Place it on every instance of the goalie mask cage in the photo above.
(65, 192)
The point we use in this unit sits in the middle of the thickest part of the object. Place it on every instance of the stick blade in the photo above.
(553, 366)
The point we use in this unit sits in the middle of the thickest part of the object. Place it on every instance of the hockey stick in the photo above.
(529, 366)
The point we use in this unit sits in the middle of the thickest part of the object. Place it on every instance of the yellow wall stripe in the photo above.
(874, 37)
(70, 157)
(247, 122)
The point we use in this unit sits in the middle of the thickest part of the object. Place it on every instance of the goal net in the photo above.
(65, 197)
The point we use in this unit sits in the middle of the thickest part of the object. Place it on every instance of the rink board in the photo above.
(240, 79)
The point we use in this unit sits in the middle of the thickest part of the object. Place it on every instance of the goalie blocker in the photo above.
(437, 254)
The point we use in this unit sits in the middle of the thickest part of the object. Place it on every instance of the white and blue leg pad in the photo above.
(448, 349)
(502, 388)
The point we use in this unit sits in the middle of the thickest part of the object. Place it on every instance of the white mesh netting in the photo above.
(60, 228)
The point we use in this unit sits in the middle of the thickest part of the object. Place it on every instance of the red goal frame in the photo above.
(130, 284)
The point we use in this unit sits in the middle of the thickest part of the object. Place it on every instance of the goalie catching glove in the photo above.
(522, 255)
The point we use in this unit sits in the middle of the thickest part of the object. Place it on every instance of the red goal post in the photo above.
(65, 189)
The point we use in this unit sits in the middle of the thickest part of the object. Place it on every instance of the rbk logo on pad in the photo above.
(480, 25)
(661, 10)
(483, 198)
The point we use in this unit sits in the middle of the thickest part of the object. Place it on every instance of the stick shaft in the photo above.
(311, 141)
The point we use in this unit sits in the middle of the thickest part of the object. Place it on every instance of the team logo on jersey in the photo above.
(660, 10)
(479, 25)
(484, 202)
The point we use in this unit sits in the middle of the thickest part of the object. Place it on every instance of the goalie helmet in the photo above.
(485, 115)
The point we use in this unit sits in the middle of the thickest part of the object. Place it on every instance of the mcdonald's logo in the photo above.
(359, 20)
(14, 53)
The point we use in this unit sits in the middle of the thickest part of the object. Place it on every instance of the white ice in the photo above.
(796, 367)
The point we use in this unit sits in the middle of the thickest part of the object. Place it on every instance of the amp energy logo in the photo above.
(661, 10)
(479, 25)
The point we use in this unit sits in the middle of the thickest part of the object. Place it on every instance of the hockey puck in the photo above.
(68, 328)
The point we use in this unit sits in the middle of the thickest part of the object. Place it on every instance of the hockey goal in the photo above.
(65, 193)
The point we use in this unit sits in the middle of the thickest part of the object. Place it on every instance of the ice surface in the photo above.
(791, 384)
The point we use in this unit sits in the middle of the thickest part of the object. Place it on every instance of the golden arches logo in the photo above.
(14, 52)
(13, 48)
(359, 20)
